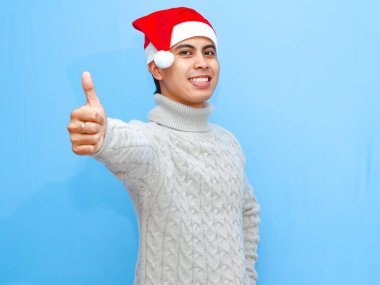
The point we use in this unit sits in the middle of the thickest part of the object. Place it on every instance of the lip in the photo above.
(200, 84)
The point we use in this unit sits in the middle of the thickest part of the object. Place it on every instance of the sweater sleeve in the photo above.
(251, 222)
(127, 150)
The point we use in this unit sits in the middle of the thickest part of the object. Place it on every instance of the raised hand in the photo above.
(88, 123)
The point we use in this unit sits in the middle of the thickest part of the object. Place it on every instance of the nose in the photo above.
(200, 61)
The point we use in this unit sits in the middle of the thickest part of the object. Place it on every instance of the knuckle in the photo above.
(75, 149)
(70, 127)
(74, 114)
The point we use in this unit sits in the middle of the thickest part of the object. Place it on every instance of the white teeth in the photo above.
(199, 79)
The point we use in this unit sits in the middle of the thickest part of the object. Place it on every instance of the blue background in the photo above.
(299, 87)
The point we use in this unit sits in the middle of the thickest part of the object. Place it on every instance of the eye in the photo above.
(210, 52)
(185, 52)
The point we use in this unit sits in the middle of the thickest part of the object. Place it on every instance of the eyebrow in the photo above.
(193, 47)
(209, 46)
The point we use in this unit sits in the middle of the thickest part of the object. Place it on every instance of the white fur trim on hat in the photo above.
(191, 29)
(150, 51)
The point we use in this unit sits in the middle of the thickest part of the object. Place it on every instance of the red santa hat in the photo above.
(165, 28)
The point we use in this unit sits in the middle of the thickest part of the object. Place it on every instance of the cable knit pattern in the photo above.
(198, 218)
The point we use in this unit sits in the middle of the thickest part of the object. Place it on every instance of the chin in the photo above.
(203, 94)
(201, 99)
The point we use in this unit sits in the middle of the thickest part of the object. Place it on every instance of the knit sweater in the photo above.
(197, 215)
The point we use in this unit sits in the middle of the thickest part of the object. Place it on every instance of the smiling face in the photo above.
(192, 78)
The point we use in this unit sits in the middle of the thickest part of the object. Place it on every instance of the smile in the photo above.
(199, 79)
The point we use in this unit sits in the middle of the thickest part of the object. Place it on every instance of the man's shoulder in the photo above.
(134, 123)
(226, 134)
(223, 131)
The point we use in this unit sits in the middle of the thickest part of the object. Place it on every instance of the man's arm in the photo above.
(124, 148)
(251, 222)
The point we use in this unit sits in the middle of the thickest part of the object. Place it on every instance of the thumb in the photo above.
(89, 90)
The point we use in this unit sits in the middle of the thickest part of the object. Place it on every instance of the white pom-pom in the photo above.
(163, 59)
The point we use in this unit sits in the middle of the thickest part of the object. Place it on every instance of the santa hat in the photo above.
(163, 29)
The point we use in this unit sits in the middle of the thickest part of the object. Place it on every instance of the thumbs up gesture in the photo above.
(88, 123)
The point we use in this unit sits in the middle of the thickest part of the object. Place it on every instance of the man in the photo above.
(198, 218)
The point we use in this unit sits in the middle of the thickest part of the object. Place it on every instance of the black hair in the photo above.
(157, 83)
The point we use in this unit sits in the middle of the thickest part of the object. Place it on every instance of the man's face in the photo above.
(192, 78)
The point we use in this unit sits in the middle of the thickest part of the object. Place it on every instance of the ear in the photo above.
(156, 72)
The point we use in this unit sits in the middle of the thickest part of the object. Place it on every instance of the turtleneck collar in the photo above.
(179, 116)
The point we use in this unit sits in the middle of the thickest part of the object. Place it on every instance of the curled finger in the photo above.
(84, 139)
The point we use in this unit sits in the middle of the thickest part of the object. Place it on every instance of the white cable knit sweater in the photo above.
(198, 219)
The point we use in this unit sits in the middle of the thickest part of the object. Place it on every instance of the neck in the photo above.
(179, 116)
(183, 102)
